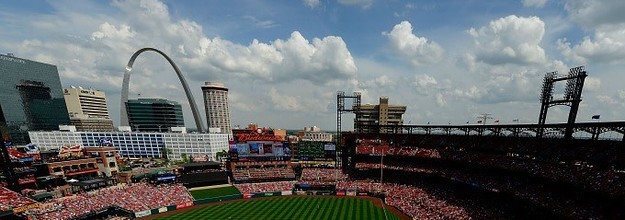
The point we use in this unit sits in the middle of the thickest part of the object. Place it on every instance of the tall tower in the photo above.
(216, 106)
(87, 109)
(31, 98)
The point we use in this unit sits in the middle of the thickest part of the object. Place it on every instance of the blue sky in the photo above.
(448, 61)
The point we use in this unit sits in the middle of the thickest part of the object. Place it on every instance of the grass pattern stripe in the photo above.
(314, 208)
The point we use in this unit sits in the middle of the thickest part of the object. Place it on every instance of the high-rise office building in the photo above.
(216, 107)
(381, 114)
(154, 114)
(31, 98)
(87, 109)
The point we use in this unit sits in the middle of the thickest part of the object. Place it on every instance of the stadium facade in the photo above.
(87, 109)
(216, 106)
(138, 144)
(31, 98)
(154, 114)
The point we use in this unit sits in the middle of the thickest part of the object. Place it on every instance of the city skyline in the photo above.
(448, 62)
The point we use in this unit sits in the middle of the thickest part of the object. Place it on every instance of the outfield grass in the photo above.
(215, 192)
(289, 208)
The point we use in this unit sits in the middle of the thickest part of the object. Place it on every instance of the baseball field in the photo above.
(290, 207)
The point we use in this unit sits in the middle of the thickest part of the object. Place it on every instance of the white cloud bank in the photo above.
(417, 50)
(90, 55)
(510, 39)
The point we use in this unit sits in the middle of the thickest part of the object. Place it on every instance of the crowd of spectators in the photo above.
(132, 197)
(534, 191)
(607, 180)
(378, 147)
(10, 199)
(392, 167)
(265, 173)
(322, 174)
(247, 188)
(28, 178)
(413, 201)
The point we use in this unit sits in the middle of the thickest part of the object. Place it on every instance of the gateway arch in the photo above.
(124, 98)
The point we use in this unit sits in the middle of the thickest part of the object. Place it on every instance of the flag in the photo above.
(596, 117)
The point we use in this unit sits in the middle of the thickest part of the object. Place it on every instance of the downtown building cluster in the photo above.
(34, 107)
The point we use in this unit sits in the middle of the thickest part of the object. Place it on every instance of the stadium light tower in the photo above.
(572, 97)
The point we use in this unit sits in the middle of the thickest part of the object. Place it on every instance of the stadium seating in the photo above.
(132, 197)
(247, 188)
(10, 199)
(413, 201)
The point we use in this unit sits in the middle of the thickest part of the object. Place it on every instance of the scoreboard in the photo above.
(316, 150)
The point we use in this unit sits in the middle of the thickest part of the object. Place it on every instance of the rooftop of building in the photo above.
(12, 57)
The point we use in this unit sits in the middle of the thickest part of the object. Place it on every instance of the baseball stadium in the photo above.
(376, 171)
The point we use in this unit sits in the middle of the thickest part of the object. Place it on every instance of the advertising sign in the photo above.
(255, 148)
(106, 141)
(142, 213)
(329, 146)
(243, 149)
(26, 207)
(172, 177)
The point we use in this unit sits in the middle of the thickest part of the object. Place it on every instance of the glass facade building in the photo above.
(31, 98)
(156, 115)
(139, 144)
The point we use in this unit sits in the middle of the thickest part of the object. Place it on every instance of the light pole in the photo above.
(483, 117)
(381, 167)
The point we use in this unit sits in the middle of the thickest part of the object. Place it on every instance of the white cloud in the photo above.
(606, 46)
(607, 100)
(440, 100)
(110, 31)
(282, 101)
(534, 3)
(261, 23)
(417, 50)
(380, 81)
(311, 3)
(510, 40)
(506, 61)
(592, 84)
(362, 3)
(424, 81)
(596, 13)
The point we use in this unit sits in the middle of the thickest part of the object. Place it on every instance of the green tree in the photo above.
(221, 155)
(185, 157)
(165, 153)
